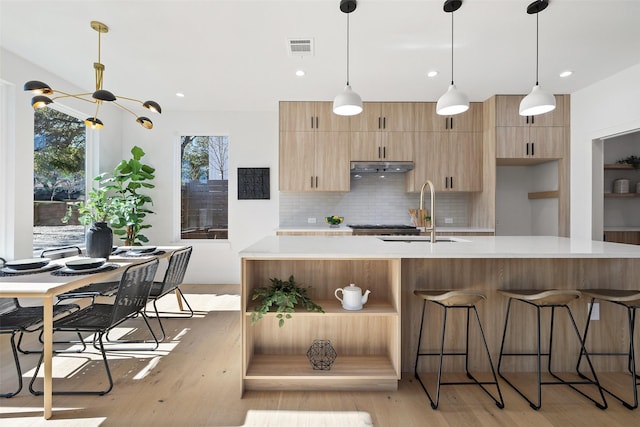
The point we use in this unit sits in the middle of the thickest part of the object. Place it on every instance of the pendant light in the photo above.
(453, 101)
(98, 97)
(347, 103)
(538, 101)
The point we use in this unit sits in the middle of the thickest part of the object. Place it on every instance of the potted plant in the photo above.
(128, 203)
(95, 212)
(285, 296)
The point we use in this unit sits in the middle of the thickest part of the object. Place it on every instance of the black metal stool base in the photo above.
(538, 354)
(434, 402)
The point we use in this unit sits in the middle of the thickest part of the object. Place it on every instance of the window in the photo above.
(204, 191)
(58, 177)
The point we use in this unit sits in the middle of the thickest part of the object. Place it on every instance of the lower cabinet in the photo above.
(629, 237)
(367, 342)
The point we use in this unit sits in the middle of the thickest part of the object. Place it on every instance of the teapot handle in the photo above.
(336, 294)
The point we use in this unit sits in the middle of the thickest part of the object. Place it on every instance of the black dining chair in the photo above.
(171, 282)
(99, 318)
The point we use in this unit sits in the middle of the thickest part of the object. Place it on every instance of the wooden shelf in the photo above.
(544, 195)
(621, 195)
(619, 166)
(287, 372)
(334, 308)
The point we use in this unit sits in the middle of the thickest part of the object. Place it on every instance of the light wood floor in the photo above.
(194, 380)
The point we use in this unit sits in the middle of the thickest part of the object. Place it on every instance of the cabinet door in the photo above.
(397, 116)
(365, 146)
(430, 150)
(332, 161)
(327, 121)
(396, 146)
(297, 161)
(511, 142)
(469, 121)
(370, 120)
(508, 111)
(426, 118)
(465, 161)
(548, 142)
(297, 116)
(552, 118)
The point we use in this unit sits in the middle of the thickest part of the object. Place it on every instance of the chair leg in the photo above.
(17, 363)
(80, 341)
(92, 392)
(155, 340)
(434, 405)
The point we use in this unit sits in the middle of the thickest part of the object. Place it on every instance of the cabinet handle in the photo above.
(451, 122)
(527, 144)
(311, 182)
(384, 152)
(533, 119)
(527, 118)
(379, 122)
(311, 122)
(533, 149)
(446, 122)
(316, 181)
(379, 152)
(451, 182)
(384, 123)
(446, 182)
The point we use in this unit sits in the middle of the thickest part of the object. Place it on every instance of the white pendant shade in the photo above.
(452, 102)
(347, 103)
(537, 102)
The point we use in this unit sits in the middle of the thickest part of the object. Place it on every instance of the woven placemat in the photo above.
(128, 254)
(46, 269)
(68, 272)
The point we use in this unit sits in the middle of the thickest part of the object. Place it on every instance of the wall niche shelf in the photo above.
(619, 166)
(621, 195)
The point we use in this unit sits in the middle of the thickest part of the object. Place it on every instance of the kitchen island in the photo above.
(376, 344)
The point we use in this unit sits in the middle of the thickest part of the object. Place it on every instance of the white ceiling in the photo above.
(232, 55)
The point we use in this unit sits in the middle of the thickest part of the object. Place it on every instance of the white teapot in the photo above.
(352, 297)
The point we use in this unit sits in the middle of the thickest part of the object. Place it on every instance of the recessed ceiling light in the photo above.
(180, 94)
(566, 73)
(432, 73)
(299, 73)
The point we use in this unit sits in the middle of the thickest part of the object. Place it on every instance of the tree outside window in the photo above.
(204, 187)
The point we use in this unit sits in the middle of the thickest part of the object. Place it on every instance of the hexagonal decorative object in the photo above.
(321, 355)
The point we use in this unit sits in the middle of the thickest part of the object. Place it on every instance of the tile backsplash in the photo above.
(372, 200)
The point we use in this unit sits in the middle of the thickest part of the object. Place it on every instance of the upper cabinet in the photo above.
(311, 116)
(384, 117)
(427, 120)
(536, 138)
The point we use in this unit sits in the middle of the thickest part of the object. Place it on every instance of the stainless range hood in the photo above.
(380, 166)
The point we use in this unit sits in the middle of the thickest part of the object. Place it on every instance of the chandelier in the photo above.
(42, 90)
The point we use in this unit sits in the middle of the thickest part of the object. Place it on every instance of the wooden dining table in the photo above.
(46, 286)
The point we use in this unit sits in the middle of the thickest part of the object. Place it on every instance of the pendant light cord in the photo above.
(537, 42)
(347, 49)
(451, 47)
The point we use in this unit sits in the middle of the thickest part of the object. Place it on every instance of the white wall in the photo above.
(253, 142)
(606, 108)
(621, 212)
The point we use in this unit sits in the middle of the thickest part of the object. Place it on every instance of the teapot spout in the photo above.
(365, 297)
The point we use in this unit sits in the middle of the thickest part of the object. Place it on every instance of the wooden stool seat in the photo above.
(628, 297)
(451, 298)
(542, 297)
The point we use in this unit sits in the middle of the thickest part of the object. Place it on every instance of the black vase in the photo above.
(99, 240)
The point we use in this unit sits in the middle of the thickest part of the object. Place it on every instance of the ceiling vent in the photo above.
(300, 47)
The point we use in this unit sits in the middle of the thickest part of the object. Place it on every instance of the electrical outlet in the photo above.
(311, 220)
(595, 314)
(448, 220)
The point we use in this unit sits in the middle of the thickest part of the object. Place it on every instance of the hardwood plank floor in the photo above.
(194, 380)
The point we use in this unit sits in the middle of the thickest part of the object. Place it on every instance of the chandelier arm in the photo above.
(122, 107)
(95, 116)
(129, 99)
(76, 96)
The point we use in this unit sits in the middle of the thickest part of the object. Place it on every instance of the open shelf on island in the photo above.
(334, 308)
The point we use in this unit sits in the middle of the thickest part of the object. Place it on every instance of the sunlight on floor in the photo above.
(260, 418)
(202, 303)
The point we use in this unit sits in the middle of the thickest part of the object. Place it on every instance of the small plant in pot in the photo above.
(95, 212)
(285, 295)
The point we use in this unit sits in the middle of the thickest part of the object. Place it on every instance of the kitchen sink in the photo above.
(420, 239)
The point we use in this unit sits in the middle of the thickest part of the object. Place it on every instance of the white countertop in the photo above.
(325, 247)
(344, 228)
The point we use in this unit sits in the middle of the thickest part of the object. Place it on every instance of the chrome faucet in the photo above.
(431, 229)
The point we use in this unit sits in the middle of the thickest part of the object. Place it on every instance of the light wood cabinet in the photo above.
(311, 116)
(383, 117)
(427, 120)
(390, 146)
(314, 161)
(451, 160)
(367, 341)
(528, 137)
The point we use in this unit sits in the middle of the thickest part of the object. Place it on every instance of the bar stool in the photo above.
(547, 299)
(629, 299)
(454, 300)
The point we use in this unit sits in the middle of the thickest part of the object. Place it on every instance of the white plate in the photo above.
(143, 249)
(31, 270)
(86, 270)
(27, 264)
(85, 263)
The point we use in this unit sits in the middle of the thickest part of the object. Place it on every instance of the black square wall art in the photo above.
(253, 183)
